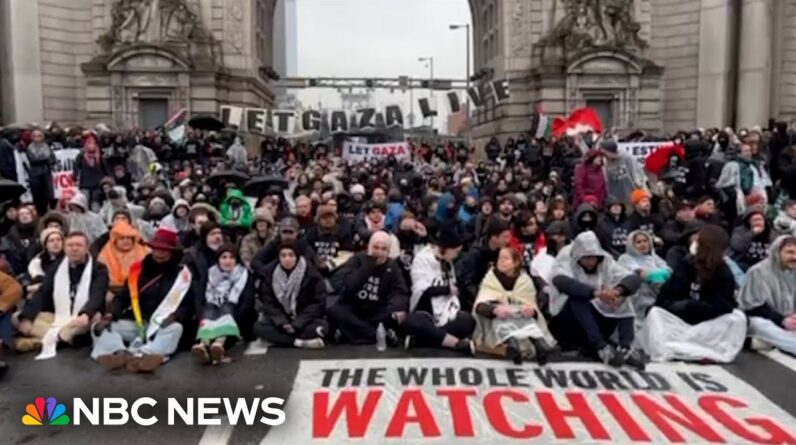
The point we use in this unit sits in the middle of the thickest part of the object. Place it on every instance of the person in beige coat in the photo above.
(508, 318)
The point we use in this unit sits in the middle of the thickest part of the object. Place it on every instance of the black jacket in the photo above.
(747, 247)
(328, 244)
(371, 288)
(88, 177)
(152, 293)
(651, 223)
(472, 269)
(612, 233)
(694, 302)
(310, 302)
(42, 300)
(270, 253)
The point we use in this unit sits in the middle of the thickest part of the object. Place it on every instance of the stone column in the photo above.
(754, 64)
(22, 78)
(715, 58)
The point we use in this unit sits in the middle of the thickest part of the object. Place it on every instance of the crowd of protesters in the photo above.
(524, 249)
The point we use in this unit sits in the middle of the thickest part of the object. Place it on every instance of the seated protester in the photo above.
(117, 201)
(694, 317)
(21, 242)
(288, 231)
(72, 292)
(304, 213)
(236, 210)
(200, 213)
(673, 230)
(82, 220)
(642, 217)
(52, 240)
(10, 296)
(640, 258)
(785, 222)
(507, 314)
(557, 237)
(225, 308)
(332, 240)
(591, 299)
(751, 240)
(706, 212)
(413, 236)
(177, 220)
(473, 265)
(124, 249)
(293, 298)
(55, 220)
(373, 220)
(586, 219)
(530, 236)
(371, 291)
(435, 318)
(612, 228)
(203, 255)
(768, 297)
(143, 327)
(260, 234)
(679, 252)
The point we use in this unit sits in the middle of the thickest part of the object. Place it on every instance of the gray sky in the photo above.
(381, 38)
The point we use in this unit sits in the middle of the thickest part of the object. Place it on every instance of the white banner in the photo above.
(640, 150)
(355, 152)
(489, 401)
(62, 170)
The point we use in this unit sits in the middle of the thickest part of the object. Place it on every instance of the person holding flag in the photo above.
(142, 327)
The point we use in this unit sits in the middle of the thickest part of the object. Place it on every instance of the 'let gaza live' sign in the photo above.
(355, 152)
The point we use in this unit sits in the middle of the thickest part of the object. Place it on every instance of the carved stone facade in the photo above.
(108, 60)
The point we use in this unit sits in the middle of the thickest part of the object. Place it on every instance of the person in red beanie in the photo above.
(89, 169)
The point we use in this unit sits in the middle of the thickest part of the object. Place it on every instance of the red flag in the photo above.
(659, 159)
(579, 121)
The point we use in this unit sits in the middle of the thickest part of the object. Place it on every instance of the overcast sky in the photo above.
(380, 38)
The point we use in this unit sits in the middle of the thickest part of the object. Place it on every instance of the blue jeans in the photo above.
(124, 332)
(766, 330)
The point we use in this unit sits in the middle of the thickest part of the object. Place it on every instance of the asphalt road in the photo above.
(72, 374)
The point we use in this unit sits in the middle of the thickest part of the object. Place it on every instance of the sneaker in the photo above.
(150, 362)
(759, 345)
(635, 358)
(200, 353)
(465, 347)
(513, 352)
(609, 356)
(315, 343)
(217, 351)
(112, 362)
(408, 342)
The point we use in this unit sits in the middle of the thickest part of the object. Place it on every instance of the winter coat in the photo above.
(748, 249)
(694, 302)
(89, 177)
(651, 223)
(369, 288)
(10, 293)
(151, 296)
(471, 270)
(612, 233)
(310, 302)
(249, 246)
(243, 216)
(589, 180)
(770, 288)
(42, 300)
(175, 223)
(624, 175)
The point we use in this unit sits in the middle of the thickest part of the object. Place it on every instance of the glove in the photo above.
(658, 276)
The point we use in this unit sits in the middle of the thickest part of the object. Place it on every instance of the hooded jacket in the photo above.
(635, 261)
(242, 216)
(310, 301)
(174, 222)
(747, 248)
(770, 288)
(571, 280)
(111, 206)
(371, 289)
(118, 262)
(87, 222)
(624, 175)
(589, 180)
(586, 218)
(472, 269)
(612, 231)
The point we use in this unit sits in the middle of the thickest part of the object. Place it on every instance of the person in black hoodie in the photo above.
(751, 240)
(612, 228)
(642, 217)
(371, 292)
(156, 335)
(202, 255)
(586, 219)
(293, 297)
(673, 229)
(329, 237)
(288, 230)
(22, 240)
(474, 265)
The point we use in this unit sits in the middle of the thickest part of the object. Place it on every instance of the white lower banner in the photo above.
(486, 402)
(356, 152)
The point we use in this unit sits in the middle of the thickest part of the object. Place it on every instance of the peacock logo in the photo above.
(55, 415)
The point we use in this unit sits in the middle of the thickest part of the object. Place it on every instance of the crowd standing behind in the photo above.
(543, 247)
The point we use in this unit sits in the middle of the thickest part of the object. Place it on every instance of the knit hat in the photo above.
(263, 214)
(227, 247)
(638, 195)
(449, 239)
(609, 145)
(208, 227)
(46, 234)
(357, 189)
(557, 228)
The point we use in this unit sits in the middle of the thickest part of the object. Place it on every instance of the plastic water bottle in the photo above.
(381, 338)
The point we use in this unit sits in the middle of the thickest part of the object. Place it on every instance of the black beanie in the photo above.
(208, 227)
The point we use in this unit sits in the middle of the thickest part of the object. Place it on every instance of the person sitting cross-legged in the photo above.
(143, 326)
(769, 297)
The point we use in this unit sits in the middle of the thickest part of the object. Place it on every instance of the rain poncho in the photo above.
(237, 154)
(607, 275)
(768, 283)
(236, 216)
(657, 272)
(175, 223)
(427, 272)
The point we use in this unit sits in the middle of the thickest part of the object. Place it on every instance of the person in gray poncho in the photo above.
(624, 174)
(590, 300)
(769, 295)
(640, 258)
(81, 219)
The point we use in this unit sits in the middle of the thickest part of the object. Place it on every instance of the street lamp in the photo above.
(467, 95)
(430, 65)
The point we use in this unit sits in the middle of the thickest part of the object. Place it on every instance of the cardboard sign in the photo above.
(489, 401)
(62, 170)
(354, 152)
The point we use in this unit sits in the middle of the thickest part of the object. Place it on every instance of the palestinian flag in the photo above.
(581, 120)
(542, 124)
(223, 326)
(175, 126)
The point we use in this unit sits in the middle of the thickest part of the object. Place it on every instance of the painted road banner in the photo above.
(486, 402)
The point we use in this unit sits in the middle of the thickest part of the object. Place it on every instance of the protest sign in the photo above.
(356, 152)
(640, 150)
(486, 402)
(62, 170)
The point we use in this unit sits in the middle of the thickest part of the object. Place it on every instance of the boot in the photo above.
(150, 362)
(634, 358)
(543, 350)
(465, 347)
(609, 356)
(513, 352)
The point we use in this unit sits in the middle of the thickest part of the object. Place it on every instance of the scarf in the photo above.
(66, 310)
(167, 307)
(225, 287)
(117, 261)
(286, 287)
(747, 177)
(429, 271)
